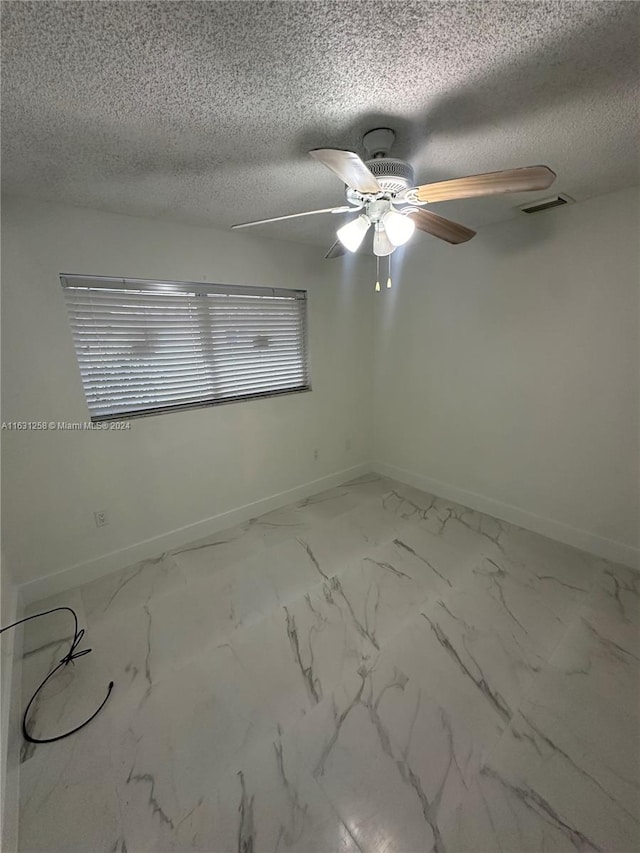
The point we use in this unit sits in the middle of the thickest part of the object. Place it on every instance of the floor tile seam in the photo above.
(147, 563)
(353, 561)
(304, 527)
(399, 758)
(521, 574)
(189, 587)
(104, 615)
(363, 501)
(588, 688)
(133, 610)
(176, 553)
(177, 665)
(539, 596)
(322, 794)
(430, 693)
(236, 633)
(527, 696)
(280, 733)
(590, 603)
(527, 645)
(590, 751)
(520, 773)
(221, 771)
(462, 727)
(575, 620)
(513, 704)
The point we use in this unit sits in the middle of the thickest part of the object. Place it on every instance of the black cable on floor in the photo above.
(70, 657)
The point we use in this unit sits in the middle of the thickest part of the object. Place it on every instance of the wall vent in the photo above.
(547, 203)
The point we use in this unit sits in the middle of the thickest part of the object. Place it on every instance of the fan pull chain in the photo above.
(389, 278)
(377, 274)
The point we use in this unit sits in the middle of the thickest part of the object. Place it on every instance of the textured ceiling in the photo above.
(204, 111)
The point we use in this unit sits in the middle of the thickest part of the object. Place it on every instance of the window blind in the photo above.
(145, 347)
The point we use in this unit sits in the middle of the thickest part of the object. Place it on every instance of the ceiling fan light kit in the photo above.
(382, 192)
(398, 227)
(352, 234)
(382, 245)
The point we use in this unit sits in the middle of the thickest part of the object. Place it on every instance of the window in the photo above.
(145, 346)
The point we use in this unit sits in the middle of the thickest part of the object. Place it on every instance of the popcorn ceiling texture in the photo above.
(204, 111)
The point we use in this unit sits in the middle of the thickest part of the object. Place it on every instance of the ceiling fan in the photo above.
(381, 191)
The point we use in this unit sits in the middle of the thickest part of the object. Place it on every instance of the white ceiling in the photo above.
(203, 112)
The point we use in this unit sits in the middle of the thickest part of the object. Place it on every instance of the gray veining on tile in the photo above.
(369, 670)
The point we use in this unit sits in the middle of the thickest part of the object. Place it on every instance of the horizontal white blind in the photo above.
(145, 346)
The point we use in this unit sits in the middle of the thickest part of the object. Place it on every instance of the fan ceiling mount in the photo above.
(382, 192)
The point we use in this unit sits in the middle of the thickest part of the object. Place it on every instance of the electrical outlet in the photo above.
(316, 454)
(347, 444)
(101, 517)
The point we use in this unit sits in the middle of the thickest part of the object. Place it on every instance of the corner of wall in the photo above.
(82, 573)
(616, 552)
(10, 648)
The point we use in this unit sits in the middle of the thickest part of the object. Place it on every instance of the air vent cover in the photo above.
(547, 203)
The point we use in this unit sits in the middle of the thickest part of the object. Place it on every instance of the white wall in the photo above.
(169, 470)
(507, 370)
(506, 374)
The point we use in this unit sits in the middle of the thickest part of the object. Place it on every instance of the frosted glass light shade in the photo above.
(399, 228)
(382, 245)
(352, 234)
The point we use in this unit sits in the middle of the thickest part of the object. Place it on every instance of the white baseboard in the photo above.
(617, 552)
(90, 570)
(82, 573)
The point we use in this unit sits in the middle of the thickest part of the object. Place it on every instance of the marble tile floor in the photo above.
(371, 669)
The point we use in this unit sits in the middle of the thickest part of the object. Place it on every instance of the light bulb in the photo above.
(382, 245)
(399, 228)
(352, 234)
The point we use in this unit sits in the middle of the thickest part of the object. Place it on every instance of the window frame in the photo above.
(71, 280)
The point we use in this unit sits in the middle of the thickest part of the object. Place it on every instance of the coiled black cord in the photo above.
(70, 657)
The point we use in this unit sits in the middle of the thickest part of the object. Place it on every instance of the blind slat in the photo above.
(149, 346)
(97, 384)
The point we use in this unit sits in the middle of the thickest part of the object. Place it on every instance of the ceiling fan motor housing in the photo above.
(393, 175)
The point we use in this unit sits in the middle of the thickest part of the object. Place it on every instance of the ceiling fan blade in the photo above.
(347, 208)
(336, 251)
(491, 183)
(440, 227)
(349, 168)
